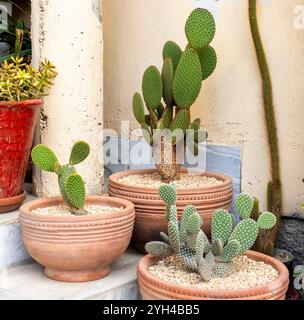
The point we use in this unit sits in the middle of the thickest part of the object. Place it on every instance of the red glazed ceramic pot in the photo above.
(153, 288)
(77, 248)
(17, 126)
(150, 209)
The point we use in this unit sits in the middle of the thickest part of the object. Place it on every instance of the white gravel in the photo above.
(247, 274)
(153, 180)
(62, 210)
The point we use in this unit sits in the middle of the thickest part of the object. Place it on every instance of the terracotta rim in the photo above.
(20, 104)
(46, 202)
(114, 181)
(278, 285)
(12, 202)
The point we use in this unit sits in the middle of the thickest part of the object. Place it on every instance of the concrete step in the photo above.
(29, 282)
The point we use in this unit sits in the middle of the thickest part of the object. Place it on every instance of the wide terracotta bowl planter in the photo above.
(150, 209)
(17, 126)
(77, 248)
(152, 288)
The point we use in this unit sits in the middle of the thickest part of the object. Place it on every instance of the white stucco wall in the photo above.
(69, 33)
(230, 104)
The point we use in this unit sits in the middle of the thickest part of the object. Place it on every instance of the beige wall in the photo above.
(230, 104)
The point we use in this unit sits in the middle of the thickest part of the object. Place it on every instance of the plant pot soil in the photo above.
(150, 209)
(153, 288)
(77, 248)
(17, 126)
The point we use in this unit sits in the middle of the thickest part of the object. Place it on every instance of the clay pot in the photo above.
(17, 126)
(77, 248)
(152, 288)
(150, 209)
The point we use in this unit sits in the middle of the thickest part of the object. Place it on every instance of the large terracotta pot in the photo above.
(17, 126)
(150, 209)
(152, 288)
(77, 248)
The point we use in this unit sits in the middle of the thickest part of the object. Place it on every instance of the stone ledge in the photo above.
(28, 282)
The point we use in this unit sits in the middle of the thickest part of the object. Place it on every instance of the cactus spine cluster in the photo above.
(177, 86)
(274, 190)
(191, 246)
(71, 184)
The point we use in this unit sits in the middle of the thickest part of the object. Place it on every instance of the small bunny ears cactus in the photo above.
(191, 246)
(178, 85)
(71, 184)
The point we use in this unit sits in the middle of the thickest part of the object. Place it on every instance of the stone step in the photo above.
(29, 282)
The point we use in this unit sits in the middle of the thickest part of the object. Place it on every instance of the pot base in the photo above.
(77, 276)
(11, 204)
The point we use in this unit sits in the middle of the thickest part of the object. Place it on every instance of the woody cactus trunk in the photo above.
(168, 95)
(265, 243)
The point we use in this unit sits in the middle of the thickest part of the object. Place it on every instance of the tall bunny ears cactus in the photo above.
(71, 184)
(178, 85)
(191, 246)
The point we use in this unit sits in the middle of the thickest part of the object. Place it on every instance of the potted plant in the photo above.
(179, 84)
(21, 90)
(75, 237)
(185, 265)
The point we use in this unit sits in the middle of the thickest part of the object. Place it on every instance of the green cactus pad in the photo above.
(171, 214)
(206, 266)
(139, 108)
(208, 58)
(221, 225)
(187, 80)
(75, 190)
(222, 269)
(217, 247)
(199, 247)
(199, 134)
(152, 87)
(200, 28)
(167, 78)
(173, 233)
(231, 250)
(244, 205)
(173, 51)
(147, 133)
(267, 220)
(164, 237)
(167, 192)
(187, 257)
(188, 211)
(166, 119)
(245, 233)
(256, 210)
(193, 224)
(44, 158)
(159, 249)
(181, 120)
(79, 153)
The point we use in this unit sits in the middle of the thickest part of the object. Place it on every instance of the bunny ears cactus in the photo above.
(178, 84)
(191, 246)
(71, 184)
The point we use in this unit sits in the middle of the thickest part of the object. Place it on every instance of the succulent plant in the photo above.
(191, 246)
(178, 85)
(71, 184)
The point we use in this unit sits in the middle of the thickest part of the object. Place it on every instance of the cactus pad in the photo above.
(208, 58)
(75, 191)
(200, 28)
(181, 120)
(44, 158)
(217, 247)
(267, 220)
(139, 108)
(167, 78)
(159, 249)
(167, 192)
(244, 205)
(231, 250)
(152, 87)
(193, 224)
(173, 234)
(187, 80)
(187, 257)
(79, 153)
(173, 51)
(166, 118)
(221, 225)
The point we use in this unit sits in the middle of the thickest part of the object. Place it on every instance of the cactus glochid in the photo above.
(191, 246)
(71, 184)
(178, 85)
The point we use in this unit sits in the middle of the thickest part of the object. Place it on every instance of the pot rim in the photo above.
(283, 278)
(128, 207)
(114, 180)
(21, 104)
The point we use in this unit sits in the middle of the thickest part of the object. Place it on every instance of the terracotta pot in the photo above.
(152, 288)
(150, 209)
(17, 126)
(77, 248)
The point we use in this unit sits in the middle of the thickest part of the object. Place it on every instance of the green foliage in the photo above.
(172, 51)
(167, 78)
(72, 186)
(139, 108)
(244, 205)
(191, 246)
(208, 59)
(20, 81)
(152, 87)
